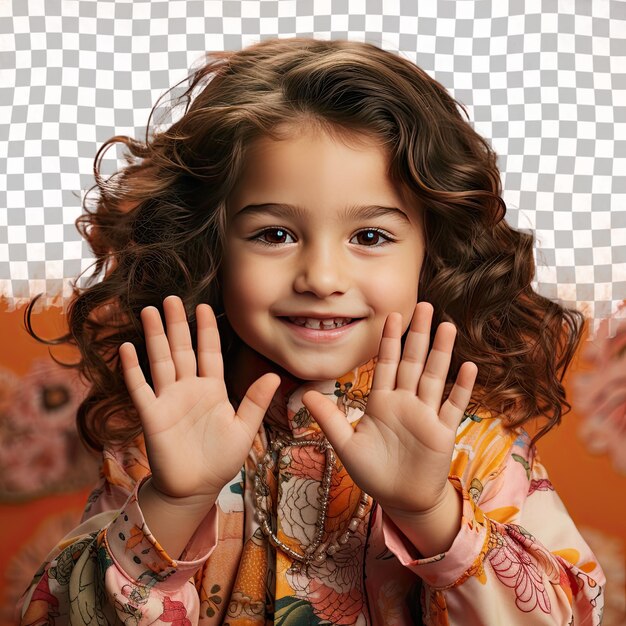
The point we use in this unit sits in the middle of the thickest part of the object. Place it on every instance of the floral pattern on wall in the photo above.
(40, 451)
(600, 393)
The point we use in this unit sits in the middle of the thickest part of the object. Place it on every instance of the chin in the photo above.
(313, 373)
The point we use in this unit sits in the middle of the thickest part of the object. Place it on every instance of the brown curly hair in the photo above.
(157, 226)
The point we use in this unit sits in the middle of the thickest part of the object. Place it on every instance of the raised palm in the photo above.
(195, 440)
(400, 451)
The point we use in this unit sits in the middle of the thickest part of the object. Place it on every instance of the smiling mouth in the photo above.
(321, 324)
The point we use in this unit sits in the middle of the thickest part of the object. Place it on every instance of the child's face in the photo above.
(326, 259)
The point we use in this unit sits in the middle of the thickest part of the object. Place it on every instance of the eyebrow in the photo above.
(352, 212)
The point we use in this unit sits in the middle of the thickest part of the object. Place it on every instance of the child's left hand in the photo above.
(400, 451)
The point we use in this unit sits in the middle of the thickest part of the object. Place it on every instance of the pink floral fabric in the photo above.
(517, 559)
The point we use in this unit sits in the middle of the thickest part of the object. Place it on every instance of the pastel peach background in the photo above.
(592, 490)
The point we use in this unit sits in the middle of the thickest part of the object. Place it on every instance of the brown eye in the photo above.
(272, 236)
(371, 237)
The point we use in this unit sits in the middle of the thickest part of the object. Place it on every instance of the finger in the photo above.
(388, 353)
(179, 337)
(158, 348)
(331, 420)
(433, 379)
(139, 390)
(415, 348)
(210, 361)
(454, 407)
(256, 401)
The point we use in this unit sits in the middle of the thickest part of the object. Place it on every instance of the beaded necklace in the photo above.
(317, 551)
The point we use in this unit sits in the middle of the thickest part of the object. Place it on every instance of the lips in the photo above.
(323, 330)
(320, 324)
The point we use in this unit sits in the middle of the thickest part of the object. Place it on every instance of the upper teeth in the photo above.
(311, 322)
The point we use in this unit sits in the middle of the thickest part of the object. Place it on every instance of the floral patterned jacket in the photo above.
(517, 559)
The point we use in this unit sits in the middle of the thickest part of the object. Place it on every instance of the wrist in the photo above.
(198, 502)
(431, 531)
(172, 521)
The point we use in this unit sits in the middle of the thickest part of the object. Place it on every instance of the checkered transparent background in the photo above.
(543, 80)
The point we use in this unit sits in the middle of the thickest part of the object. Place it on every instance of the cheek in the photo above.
(237, 274)
(396, 286)
(240, 297)
(246, 288)
(398, 292)
(239, 306)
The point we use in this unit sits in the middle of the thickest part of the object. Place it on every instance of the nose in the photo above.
(322, 270)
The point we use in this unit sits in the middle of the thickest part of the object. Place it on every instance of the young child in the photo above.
(300, 443)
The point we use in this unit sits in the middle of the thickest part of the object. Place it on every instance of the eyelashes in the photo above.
(377, 233)
(280, 233)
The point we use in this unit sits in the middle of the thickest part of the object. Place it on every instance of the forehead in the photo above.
(313, 166)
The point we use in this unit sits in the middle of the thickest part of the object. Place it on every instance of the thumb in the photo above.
(255, 403)
(330, 419)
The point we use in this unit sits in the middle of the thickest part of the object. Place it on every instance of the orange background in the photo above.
(593, 492)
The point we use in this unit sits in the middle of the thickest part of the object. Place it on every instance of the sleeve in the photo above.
(110, 569)
(518, 557)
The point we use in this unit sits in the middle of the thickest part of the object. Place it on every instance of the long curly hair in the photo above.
(157, 226)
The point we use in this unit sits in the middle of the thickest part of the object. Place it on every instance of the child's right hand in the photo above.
(195, 441)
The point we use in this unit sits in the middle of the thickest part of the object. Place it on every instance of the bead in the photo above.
(343, 539)
(332, 548)
(321, 547)
(354, 524)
